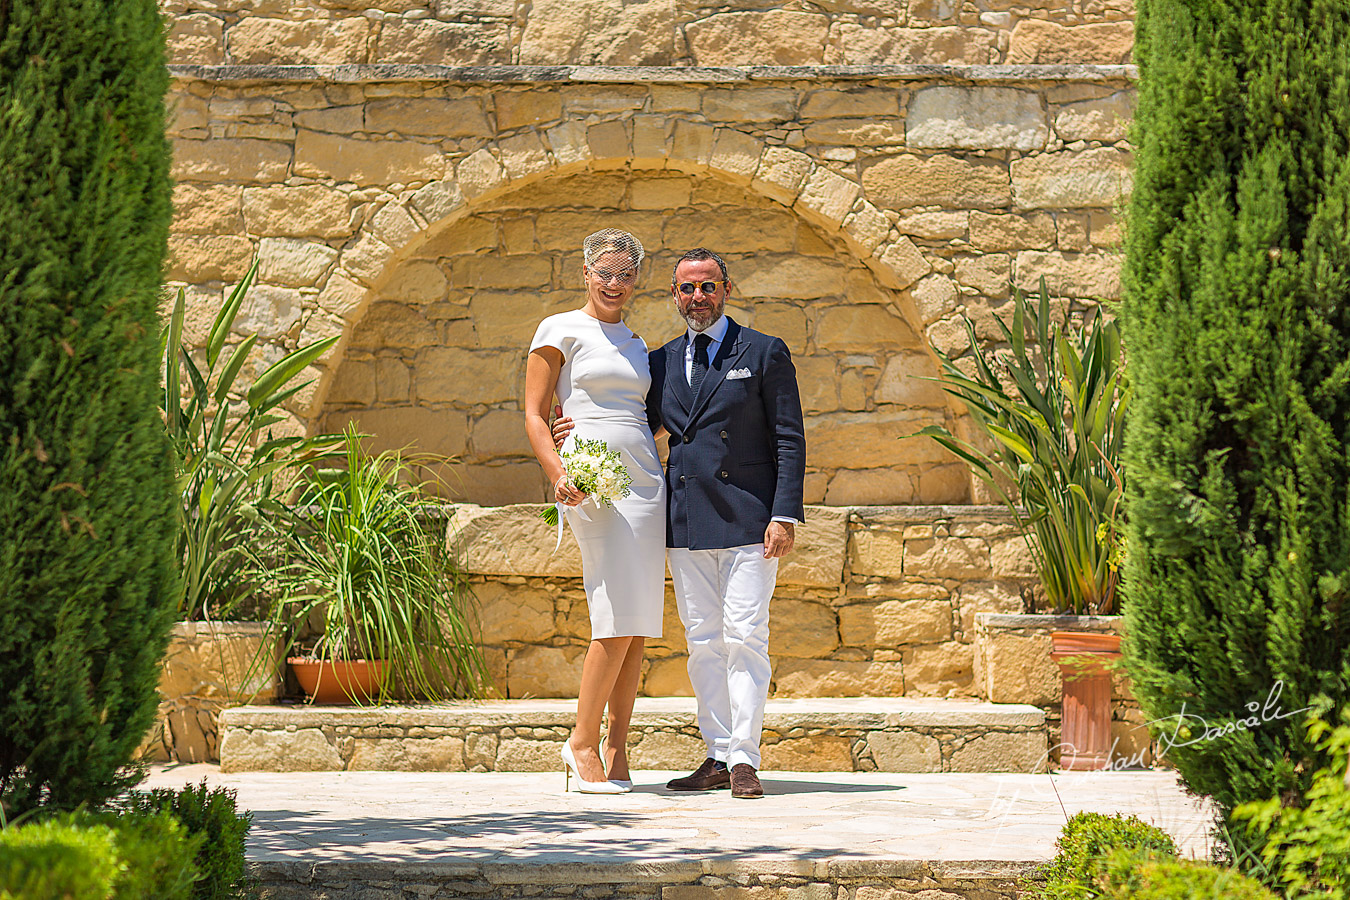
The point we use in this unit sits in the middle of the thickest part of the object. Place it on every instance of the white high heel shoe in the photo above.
(626, 784)
(583, 786)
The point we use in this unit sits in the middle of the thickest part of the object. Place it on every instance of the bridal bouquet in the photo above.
(594, 468)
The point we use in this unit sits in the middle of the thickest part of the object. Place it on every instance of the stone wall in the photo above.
(877, 601)
(650, 32)
(431, 218)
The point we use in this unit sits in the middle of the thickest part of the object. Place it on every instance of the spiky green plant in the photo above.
(1053, 409)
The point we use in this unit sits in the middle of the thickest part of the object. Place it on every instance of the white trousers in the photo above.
(723, 597)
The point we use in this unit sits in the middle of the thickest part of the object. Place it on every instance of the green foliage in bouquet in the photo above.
(594, 468)
(1237, 316)
(227, 460)
(1053, 408)
(87, 574)
(354, 552)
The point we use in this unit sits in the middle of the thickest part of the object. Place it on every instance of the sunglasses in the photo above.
(628, 276)
(707, 287)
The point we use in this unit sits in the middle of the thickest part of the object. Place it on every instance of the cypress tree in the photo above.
(1237, 319)
(86, 490)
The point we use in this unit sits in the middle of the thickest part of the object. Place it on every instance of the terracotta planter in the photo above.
(1082, 658)
(339, 681)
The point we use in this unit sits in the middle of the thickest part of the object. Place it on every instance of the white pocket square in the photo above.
(738, 373)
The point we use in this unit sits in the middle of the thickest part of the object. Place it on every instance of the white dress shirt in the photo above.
(717, 331)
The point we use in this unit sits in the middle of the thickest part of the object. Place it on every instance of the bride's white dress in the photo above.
(603, 388)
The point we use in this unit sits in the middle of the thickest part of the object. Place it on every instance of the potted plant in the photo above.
(229, 465)
(355, 558)
(1051, 411)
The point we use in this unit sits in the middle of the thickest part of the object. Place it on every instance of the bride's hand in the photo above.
(562, 427)
(567, 493)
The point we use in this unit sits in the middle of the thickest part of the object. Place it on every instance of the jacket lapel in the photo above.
(727, 354)
(679, 385)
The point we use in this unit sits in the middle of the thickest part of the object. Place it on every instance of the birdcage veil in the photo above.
(612, 240)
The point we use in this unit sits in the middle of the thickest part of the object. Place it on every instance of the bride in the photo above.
(598, 369)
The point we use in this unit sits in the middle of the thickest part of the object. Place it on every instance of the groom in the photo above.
(728, 396)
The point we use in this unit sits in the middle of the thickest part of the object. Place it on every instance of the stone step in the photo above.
(851, 734)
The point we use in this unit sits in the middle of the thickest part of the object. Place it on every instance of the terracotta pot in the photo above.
(1086, 723)
(339, 681)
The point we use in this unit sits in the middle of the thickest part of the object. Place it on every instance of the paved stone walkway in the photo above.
(482, 819)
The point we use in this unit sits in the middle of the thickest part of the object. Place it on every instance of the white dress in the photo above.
(603, 388)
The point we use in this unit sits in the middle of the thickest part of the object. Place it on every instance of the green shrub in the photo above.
(1172, 880)
(1237, 320)
(1306, 848)
(87, 574)
(55, 859)
(210, 815)
(1086, 845)
(99, 856)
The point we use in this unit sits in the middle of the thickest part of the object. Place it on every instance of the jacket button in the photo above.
(724, 435)
(681, 479)
(688, 439)
(724, 474)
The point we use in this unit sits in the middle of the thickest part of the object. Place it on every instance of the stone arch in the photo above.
(857, 342)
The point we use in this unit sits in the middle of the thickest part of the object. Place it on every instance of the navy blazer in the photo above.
(738, 449)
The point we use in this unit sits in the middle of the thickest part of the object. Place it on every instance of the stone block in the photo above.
(1011, 558)
(428, 116)
(900, 264)
(664, 750)
(987, 596)
(294, 262)
(775, 37)
(692, 145)
(1004, 231)
(1103, 229)
(668, 677)
(1024, 752)
(518, 755)
(977, 118)
(935, 226)
(903, 181)
(496, 482)
(1106, 119)
(1016, 668)
(269, 312)
(417, 282)
(353, 383)
(989, 274)
(814, 753)
(1093, 275)
(934, 297)
(817, 557)
(955, 558)
(303, 750)
(861, 103)
(523, 155)
(544, 672)
(781, 173)
(443, 43)
(196, 39)
(526, 109)
(197, 258)
(366, 162)
(1069, 179)
(736, 155)
(866, 228)
(826, 197)
(231, 160)
(837, 678)
(945, 485)
(416, 429)
(893, 623)
(939, 670)
(749, 104)
(341, 296)
(513, 612)
(800, 628)
(863, 327)
(254, 40)
(206, 209)
(843, 439)
(451, 375)
(867, 45)
(788, 277)
(479, 173)
(332, 119)
(441, 199)
(855, 133)
(902, 751)
(500, 432)
(389, 325)
(869, 487)
(1036, 41)
(510, 540)
(599, 32)
(308, 210)
(1131, 744)
(429, 754)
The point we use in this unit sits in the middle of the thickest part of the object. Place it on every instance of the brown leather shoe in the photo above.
(707, 777)
(745, 783)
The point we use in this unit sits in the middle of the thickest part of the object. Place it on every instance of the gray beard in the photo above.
(697, 329)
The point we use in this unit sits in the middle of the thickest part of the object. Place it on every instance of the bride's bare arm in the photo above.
(542, 368)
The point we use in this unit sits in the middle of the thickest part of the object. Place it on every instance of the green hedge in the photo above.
(1086, 846)
(211, 815)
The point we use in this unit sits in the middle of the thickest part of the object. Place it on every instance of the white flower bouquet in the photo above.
(594, 468)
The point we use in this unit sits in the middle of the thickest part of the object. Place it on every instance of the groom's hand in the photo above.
(778, 538)
(562, 427)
